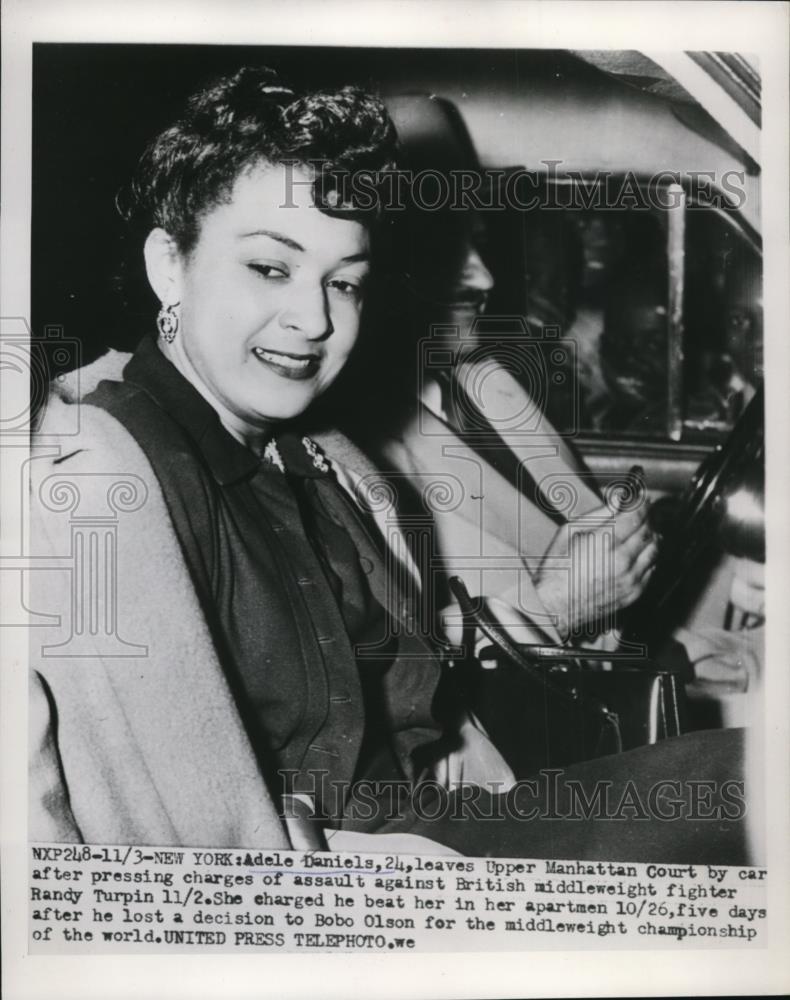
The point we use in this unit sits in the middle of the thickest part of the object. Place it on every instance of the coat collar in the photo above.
(228, 459)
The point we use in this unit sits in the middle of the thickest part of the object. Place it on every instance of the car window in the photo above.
(600, 278)
(723, 317)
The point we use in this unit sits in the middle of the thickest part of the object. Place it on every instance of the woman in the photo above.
(227, 639)
(259, 265)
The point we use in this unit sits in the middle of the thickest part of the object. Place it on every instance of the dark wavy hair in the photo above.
(248, 118)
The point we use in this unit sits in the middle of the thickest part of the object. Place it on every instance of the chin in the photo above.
(277, 405)
(280, 414)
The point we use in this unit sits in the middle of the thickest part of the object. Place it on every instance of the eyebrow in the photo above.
(293, 245)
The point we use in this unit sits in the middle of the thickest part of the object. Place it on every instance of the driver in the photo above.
(524, 522)
(525, 525)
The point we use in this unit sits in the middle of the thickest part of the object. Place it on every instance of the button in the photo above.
(366, 564)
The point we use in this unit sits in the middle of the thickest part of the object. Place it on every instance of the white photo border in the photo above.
(755, 27)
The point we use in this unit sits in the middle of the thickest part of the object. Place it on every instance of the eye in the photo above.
(271, 271)
(347, 288)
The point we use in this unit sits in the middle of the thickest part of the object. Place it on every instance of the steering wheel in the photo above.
(698, 522)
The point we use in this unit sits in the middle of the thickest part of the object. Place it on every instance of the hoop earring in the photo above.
(167, 322)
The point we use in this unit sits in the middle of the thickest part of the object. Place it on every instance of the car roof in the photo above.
(532, 108)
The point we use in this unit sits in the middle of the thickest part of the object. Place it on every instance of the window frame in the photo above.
(679, 442)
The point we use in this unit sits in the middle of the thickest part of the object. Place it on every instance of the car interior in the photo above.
(657, 299)
(655, 295)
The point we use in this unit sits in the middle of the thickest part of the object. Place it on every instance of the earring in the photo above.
(167, 322)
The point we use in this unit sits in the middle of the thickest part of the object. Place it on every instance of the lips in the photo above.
(298, 367)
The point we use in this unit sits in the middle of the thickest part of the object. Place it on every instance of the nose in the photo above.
(475, 274)
(307, 311)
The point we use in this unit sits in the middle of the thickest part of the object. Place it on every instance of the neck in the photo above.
(254, 437)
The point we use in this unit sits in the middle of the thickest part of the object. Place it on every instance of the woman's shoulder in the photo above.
(87, 447)
(70, 426)
(77, 435)
(86, 468)
(95, 418)
(73, 386)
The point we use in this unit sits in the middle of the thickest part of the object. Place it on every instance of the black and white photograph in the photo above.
(396, 521)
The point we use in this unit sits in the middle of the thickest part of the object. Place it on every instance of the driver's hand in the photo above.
(589, 574)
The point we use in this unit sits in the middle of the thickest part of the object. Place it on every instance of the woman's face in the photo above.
(270, 299)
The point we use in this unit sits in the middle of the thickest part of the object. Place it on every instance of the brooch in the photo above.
(271, 453)
(319, 458)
